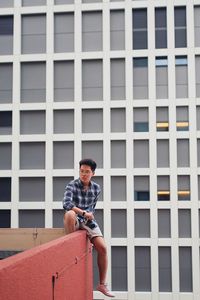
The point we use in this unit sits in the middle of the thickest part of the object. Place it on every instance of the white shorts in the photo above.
(90, 232)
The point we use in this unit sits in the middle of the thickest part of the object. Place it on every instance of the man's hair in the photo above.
(89, 162)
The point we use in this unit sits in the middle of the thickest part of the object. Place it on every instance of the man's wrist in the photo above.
(83, 213)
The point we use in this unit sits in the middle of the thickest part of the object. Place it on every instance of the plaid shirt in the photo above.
(76, 196)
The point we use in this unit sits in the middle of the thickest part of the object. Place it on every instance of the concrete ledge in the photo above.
(25, 238)
(58, 270)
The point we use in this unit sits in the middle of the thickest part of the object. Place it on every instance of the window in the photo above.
(142, 223)
(32, 155)
(163, 153)
(63, 121)
(181, 77)
(92, 80)
(183, 187)
(32, 189)
(197, 26)
(5, 218)
(5, 156)
(92, 31)
(118, 188)
(119, 268)
(140, 70)
(183, 153)
(160, 27)
(31, 218)
(93, 149)
(63, 155)
(165, 269)
(161, 77)
(57, 218)
(142, 269)
(118, 119)
(33, 82)
(163, 187)
(141, 188)
(182, 117)
(6, 35)
(33, 34)
(118, 229)
(6, 3)
(6, 82)
(184, 223)
(197, 73)
(63, 1)
(180, 27)
(117, 30)
(59, 184)
(185, 269)
(63, 32)
(118, 154)
(117, 79)
(92, 120)
(162, 119)
(32, 122)
(141, 119)
(198, 117)
(5, 189)
(140, 29)
(198, 152)
(5, 122)
(63, 81)
(164, 223)
(141, 153)
(33, 2)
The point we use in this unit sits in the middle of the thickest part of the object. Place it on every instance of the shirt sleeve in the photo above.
(68, 197)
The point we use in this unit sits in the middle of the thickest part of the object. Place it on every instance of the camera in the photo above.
(91, 224)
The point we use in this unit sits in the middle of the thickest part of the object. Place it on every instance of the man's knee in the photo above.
(69, 216)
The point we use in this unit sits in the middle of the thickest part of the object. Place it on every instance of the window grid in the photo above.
(106, 137)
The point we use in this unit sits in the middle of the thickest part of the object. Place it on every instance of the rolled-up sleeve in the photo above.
(68, 197)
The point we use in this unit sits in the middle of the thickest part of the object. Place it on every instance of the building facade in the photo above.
(118, 81)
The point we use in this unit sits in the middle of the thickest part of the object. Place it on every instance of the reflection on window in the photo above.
(163, 195)
(183, 195)
(162, 126)
(182, 126)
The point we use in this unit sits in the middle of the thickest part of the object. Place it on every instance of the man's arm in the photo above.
(69, 205)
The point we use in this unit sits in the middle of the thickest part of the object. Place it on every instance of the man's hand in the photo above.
(89, 216)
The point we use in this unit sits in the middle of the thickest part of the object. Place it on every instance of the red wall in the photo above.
(28, 275)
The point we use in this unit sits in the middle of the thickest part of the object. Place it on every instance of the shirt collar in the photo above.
(81, 184)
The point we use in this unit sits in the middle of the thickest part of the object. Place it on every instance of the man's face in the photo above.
(85, 174)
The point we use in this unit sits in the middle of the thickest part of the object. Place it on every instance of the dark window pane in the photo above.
(141, 195)
(180, 16)
(5, 218)
(140, 29)
(140, 62)
(141, 126)
(160, 17)
(5, 118)
(6, 25)
(5, 189)
(139, 18)
(161, 38)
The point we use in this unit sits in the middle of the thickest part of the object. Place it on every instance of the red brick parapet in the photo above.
(58, 270)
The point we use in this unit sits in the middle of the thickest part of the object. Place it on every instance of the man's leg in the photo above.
(70, 221)
(102, 261)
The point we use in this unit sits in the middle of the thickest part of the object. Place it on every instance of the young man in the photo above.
(79, 203)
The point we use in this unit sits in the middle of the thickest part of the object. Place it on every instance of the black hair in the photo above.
(89, 162)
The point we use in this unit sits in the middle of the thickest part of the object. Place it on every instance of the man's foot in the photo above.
(104, 289)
